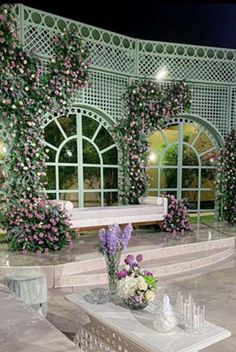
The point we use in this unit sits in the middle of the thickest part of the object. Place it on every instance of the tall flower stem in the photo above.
(112, 263)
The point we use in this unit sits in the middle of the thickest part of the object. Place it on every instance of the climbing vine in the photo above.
(149, 105)
(28, 89)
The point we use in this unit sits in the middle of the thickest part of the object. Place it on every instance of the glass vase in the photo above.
(112, 263)
(136, 305)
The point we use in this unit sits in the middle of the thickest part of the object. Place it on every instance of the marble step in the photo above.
(95, 261)
(161, 267)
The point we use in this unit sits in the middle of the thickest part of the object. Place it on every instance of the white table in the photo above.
(31, 286)
(115, 328)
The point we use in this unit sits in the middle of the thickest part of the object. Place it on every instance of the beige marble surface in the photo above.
(215, 286)
(87, 245)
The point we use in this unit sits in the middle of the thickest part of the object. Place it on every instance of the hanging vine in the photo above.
(148, 108)
(26, 94)
(226, 180)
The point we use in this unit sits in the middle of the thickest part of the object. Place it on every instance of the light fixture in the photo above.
(162, 73)
(152, 156)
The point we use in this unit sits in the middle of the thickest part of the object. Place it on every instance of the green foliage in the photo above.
(151, 281)
(226, 180)
(148, 108)
(26, 94)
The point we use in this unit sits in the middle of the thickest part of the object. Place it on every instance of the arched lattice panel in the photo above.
(183, 162)
(83, 158)
(211, 102)
(122, 54)
(116, 58)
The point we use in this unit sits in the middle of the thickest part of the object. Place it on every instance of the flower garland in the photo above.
(226, 180)
(26, 94)
(149, 106)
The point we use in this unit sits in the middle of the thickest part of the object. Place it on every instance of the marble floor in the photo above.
(87, 244)
(215, 287)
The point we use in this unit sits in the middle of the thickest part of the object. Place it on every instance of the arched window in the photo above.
(83, 160)
(183, 162)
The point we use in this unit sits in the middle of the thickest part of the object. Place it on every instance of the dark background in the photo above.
(212, 24)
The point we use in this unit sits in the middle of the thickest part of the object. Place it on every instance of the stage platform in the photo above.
(83, 265)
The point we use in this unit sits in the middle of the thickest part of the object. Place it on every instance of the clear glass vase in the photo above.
(136, 305)
(112, 263)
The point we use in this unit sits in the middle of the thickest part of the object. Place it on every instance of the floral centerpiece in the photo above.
(112, 242)
(136, 287)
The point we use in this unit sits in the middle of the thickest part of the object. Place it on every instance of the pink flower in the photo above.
(122, 274)
(139, 257)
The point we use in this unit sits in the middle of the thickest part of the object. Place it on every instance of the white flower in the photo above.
(142, 285)
(127, 286)
(26, 88)
(13, 106)
(127, 267)
(25, 168)
(150, 295)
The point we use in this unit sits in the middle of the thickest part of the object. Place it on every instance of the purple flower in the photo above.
(122, 274)
(148, 273)
(125, 235)
(113, 239)
(129, 259)
(139, 257)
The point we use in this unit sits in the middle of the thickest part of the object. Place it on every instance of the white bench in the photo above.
(103, 216)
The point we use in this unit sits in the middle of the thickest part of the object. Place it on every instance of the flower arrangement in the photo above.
(114, 239)
(37, 226)
(176, 218)
(149, 105)
(136, 287)
(112, 242)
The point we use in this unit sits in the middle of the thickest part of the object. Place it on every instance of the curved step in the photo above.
(159, 267)
(95, 261)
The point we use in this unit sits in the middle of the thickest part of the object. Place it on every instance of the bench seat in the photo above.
(102, 216)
